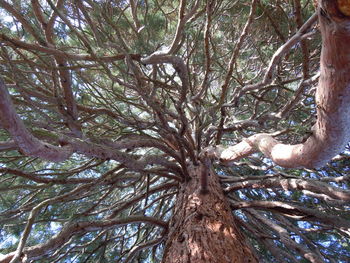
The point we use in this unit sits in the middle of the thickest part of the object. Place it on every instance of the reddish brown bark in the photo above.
(203, 228)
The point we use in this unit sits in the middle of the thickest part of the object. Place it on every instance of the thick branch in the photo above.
(26, 142)
(293, 184)
(7, 146)
(331, 132)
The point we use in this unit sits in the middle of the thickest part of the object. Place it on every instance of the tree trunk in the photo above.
(203, 228)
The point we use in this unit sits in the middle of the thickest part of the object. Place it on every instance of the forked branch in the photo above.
(331, 132)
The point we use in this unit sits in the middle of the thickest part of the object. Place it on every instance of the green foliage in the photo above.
(149, 129)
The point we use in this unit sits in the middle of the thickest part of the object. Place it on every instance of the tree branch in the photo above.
(294, 211)
(26, 142)
(331, 132)
(276, 58)
(70, 229)
(293, 184)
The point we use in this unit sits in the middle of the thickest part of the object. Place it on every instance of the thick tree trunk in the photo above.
(203, 228)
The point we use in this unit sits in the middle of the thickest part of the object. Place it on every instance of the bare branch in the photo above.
(279, 54)
(70, 229)
(294, 184)
(295, 211)
(26, 142)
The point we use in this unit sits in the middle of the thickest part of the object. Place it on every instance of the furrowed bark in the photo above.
(331, 132)
(203, 228)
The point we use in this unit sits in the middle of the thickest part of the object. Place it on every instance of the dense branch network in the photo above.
(104, 107)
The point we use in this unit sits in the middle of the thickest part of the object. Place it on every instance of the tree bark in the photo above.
(202, 228)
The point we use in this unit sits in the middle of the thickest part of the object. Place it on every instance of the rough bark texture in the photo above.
(331, 132)
(202, 228)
